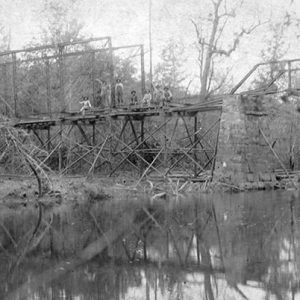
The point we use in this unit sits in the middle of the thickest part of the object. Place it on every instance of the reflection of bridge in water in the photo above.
(218, 245)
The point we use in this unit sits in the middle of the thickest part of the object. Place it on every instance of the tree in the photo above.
(58, 22)
(213, 31)
(169, 71)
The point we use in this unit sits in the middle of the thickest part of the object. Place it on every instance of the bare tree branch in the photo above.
(236, 40)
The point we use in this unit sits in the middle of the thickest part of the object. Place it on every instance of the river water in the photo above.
(221, 246)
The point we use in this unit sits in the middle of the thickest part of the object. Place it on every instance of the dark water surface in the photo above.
(232, 246)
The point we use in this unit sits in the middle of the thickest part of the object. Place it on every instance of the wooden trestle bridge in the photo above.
(40, 89)
(156, 142)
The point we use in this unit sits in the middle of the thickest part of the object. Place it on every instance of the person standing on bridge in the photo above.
(119, 91)
(168, 97)
(158, 95)
(147, 98)
(86, 104)
(133, 98)
(105, 90)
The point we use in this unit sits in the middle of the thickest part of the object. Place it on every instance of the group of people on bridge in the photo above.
(159, 96)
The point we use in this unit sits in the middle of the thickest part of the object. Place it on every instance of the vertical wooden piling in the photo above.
(5, 84)
(48, 92)
(93, 75)
(48, 138)
(111, 73)
(14, 83)
(143, 70)
(61, 78)
(165, 141)
(60, 148)
(195, 144)
(141, 163)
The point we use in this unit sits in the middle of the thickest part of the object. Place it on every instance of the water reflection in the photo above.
(242, 246)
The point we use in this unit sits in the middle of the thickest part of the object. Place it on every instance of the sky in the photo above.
(127, 22)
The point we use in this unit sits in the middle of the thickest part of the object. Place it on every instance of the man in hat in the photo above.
(168, 97)
(133, 98)
(158, 95)
(119, 91)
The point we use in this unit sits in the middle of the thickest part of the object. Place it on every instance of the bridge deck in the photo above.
(102, 114)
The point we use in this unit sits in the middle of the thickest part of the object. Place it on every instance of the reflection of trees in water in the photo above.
(248, 239)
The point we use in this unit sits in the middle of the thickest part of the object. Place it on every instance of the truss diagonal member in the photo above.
(151, 164)
(39, 138)
(48, 156)
(207, 163)
(174, 130)
(184, 153)
(140, 135)
(35, 161)
(207, 131)
(133, 130)
(150, 134)
(76, 161)
(81, 157)
(76, 144)
(83, 134)
(137, 154)
(97, 156)
(126, 158)
(55, 135)
(191, 148)
(141, 143)
(120, 135)
(195, 134)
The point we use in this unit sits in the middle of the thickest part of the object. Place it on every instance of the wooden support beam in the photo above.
(185, 153)
(5, 85)
(60, 148)
(133, 130)
(137, 154)
(93, 79)
(195, 143)
(61, 78)
(82, 158)
(48, 142)
(165, 142)
(174, 131)
(48, 84)
(77, 160)
(216, 151)
(38, 137)
(111, 74)
(121, 133)
(94, 133)
(142, 144)
(83, 134)
(14, 84)
(143, 85)
(150, 165)
(137, 147)
(195, 137)
(97, 156)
